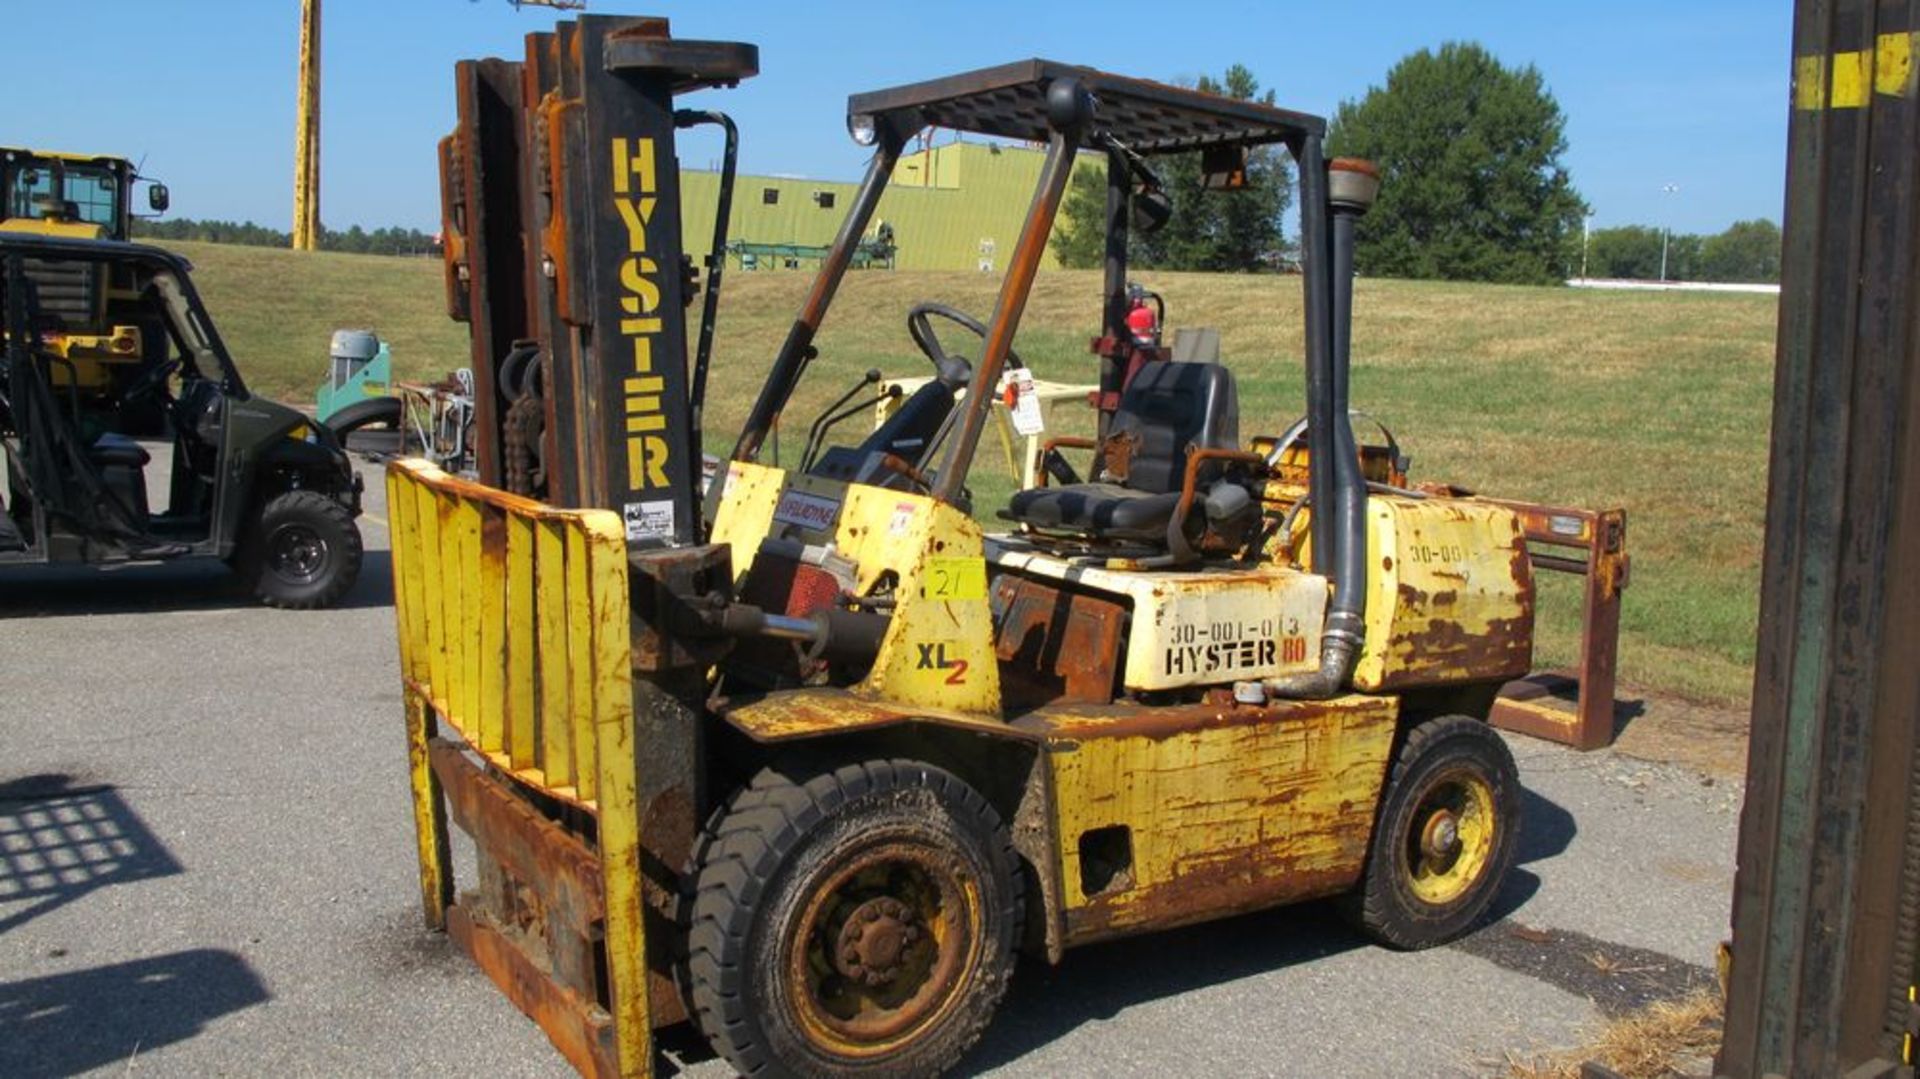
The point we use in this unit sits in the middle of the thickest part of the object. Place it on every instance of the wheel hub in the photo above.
(297, 552)
(1441, 837)
(877, 934)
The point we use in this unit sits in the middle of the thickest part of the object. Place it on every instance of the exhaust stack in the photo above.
(1351, 186)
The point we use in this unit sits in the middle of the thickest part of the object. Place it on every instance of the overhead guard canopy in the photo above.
(1147, 117)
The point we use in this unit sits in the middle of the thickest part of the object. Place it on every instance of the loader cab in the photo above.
(72, 195)
(130, 435)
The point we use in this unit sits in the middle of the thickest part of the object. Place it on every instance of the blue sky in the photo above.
(1656, 93)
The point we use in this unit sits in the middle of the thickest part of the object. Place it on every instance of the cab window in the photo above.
(90, 194)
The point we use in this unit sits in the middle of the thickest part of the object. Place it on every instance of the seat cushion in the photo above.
(112, 449)
(1099, 509)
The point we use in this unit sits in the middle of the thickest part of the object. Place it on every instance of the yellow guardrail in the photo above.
(513, 632)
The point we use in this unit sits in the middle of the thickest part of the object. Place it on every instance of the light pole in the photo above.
(1666, 231)
(1586, 235)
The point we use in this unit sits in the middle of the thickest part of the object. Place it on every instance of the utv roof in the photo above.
(1148, 117)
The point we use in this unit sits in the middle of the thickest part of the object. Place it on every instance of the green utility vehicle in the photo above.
(102, 341)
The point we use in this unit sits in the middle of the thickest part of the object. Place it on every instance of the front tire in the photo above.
(1445, 836)
(853, 921)
(303, 551)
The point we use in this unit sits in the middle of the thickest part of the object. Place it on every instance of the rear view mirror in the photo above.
(1151, 209)
(158, 199)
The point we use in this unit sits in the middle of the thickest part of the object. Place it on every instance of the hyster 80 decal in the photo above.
(1224, 648)
(635, 192)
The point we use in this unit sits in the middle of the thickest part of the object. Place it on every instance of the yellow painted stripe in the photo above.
(1810, 83)
(1893, 65)
(1848, 80)
(1852, 74)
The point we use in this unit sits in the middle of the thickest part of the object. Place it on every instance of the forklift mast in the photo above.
(561, 219)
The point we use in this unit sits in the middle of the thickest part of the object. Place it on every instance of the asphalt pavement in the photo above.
(206, 868)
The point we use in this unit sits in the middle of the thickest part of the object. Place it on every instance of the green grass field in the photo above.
(1655, 402)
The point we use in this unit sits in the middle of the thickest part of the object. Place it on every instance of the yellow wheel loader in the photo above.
(809, 762)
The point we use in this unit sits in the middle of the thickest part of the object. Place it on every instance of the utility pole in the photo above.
(306, 145)
(1586, 236)
(1666, 232)
(306, 139)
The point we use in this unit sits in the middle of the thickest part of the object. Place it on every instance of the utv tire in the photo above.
(302, 552)
(853, 921)
(1444, 839)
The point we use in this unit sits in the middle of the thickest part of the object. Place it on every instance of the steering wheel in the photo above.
(150, 380)
(954, 371)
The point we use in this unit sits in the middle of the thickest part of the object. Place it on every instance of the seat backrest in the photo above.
(1196, 344)
(1167, 409)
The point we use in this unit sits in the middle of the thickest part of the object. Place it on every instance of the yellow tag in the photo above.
(949, 578)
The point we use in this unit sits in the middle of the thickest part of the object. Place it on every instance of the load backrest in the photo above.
(1167, 409)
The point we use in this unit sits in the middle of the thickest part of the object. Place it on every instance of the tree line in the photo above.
(1474, 188)
(1748, 251)
(354, 240)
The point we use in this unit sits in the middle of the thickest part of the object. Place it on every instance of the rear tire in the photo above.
(858, 921)
(1444, 839)
(302, 552)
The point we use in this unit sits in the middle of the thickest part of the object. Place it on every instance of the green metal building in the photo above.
(957, 206)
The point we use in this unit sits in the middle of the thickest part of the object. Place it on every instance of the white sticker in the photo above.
(902, 518)
(649, 520)
(1016, 389)
(810, 512)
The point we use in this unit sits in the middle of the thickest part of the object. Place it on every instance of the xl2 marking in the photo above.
(933, 657)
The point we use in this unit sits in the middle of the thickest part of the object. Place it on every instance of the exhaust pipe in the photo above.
(1352, 185)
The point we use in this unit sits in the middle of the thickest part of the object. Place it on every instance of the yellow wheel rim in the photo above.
(1450, 838)
(883, 949)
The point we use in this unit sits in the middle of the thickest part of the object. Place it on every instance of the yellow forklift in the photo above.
(810, 761)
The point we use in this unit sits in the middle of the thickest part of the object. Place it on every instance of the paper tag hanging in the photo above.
(1016, 389)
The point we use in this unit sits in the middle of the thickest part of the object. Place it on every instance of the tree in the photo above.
(1232, 231)
(1078, 234)
(1470, 159)
(1747, 251)
(1629, 252)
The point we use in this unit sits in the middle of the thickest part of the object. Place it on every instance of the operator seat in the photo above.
(1167, 410)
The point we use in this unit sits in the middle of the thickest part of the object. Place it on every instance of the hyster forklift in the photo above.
(104, 342)
(810, 759)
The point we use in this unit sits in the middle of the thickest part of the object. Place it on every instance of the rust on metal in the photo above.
(529, 846)
(581, 1031)
(802, 713)
(1227, 807)
(1055, 645)
(1600, 538)
(883, 946)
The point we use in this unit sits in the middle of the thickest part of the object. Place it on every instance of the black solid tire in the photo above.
(1385, 905)
(792, 830)
(328, 524)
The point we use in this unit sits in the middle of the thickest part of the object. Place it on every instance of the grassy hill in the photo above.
(1656, 402)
